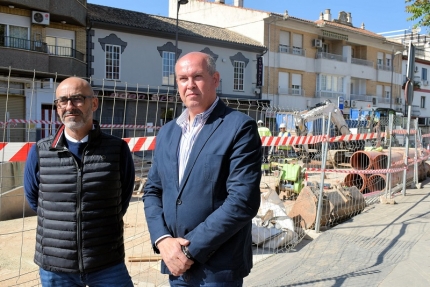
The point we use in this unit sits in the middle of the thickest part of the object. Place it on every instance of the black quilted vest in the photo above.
(80, 225)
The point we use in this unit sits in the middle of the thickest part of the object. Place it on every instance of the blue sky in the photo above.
(377, 15)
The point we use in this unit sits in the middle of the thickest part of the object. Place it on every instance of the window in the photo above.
(423, 102)
(325, 48)
(239, 70)
(388, 62)
(284, 41)
(14, 36)
(59, 46)
(295, 89)
(331, 83)
(424, 74)
(297, 44)
(387, 94)
(113, 53)
(168, 68)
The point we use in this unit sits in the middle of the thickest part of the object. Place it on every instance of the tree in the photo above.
(420, 10)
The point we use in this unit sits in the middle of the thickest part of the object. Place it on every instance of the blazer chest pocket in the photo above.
(213, 166)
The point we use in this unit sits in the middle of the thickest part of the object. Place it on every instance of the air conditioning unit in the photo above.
(317, 43)
(374, 101)
(41, 18)
(353, 104)
(399, 101)
(257, 91)
(425, 82)
(346, 104)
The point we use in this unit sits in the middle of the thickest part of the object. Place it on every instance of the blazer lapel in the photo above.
(173, 152)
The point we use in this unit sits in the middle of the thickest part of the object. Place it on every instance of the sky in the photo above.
(378, 15)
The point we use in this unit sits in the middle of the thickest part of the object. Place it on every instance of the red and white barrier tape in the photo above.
(19, 151)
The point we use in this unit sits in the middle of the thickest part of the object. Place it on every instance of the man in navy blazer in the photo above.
(203, 188)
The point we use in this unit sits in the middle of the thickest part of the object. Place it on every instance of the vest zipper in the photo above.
(79, 211)
(79, 219)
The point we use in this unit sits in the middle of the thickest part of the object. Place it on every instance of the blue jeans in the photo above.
(184, 280)
(115, 276)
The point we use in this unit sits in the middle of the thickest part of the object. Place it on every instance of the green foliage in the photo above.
(420, 10)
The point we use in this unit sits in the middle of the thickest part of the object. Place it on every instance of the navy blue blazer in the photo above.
(217, 198)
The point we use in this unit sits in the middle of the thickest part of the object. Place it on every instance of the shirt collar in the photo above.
(69, 138)
(183, 119)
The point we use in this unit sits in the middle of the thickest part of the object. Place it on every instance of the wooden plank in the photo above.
(145, 258)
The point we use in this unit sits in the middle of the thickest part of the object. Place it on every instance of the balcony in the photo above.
(292, 57)
(384, 73)
(328, 63)
(361, 97)
(65, 52)
(334, 57)
(329, 94)
(71, 11)
(364, 69)
(29, 55)
(382, 100)
(291, 92)
(362, 62)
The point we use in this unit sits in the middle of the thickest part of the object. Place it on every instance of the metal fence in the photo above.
(316, 179)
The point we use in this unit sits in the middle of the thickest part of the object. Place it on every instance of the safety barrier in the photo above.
(316, 172)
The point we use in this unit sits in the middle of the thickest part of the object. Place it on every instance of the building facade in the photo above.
(132, 58)
(310, 61)
(41, 42)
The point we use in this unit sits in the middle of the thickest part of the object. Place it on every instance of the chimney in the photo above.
(349, 18)
(362, 26)
(327, 15)
(322, 16)
(238, 3)
(220, 1)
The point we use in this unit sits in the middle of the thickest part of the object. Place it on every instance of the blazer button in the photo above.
(179, 201)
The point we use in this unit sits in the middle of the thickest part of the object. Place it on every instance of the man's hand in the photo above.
(171, 252)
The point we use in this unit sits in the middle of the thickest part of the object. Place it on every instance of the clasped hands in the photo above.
(171, 251)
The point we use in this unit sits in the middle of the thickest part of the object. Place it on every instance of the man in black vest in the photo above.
(79, 182)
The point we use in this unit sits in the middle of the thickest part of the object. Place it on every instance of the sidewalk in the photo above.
(386, 245)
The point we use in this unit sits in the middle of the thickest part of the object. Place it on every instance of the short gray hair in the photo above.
(211, 65)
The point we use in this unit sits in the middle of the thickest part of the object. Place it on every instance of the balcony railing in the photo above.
(329, 94)
(292, 50)
(65, 52)
(362, 62)
(39, 46)
(382, 100)
(384, 67)
(360, 97)
(291, 91)
(335, 57)
(24, 44)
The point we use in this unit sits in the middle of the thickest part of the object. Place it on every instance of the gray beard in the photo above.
(74, 125)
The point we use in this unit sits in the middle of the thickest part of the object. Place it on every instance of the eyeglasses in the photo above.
(77, 100)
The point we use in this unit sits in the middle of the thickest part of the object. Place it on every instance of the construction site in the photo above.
(322, 171)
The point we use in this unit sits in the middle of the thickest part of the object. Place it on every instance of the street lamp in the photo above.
(180, 2)
(392, 72)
